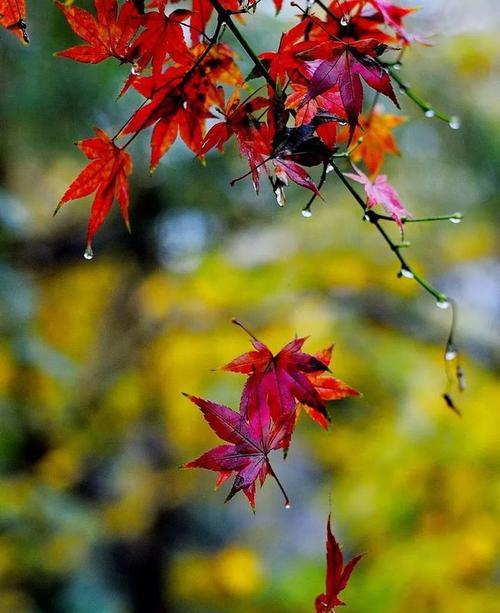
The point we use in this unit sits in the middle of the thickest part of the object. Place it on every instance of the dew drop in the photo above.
(88, 253)
(456, 218)
(407, 274)
(329, 168)
(430, 113)
(341, 122)
(450, 355)
(280, 196)
(366, 217)
(135, 70)
(402, 90)
(344, 20)
(443, 304)
(455, 123)
(288, 505)
(397, 66)
(306, 213)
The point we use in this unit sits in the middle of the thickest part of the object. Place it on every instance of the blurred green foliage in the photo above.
(94, 513)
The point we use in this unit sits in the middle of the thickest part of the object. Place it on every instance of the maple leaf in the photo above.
(12, 16)
(377, 140)
(393, 16)
(280, 380)
(246, 455)
(107, 175)
(337, 575)
(162, 35)
(380, 191)
(328, 388)
(348, 62)
(108, 35)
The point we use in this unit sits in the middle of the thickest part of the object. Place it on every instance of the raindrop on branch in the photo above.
(443, 304)
(88, 254)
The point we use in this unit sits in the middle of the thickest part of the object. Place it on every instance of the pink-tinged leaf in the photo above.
(380, 191)
(343, 69)
(289, 169)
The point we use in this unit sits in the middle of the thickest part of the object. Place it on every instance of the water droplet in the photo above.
(397, 66)
(135, 70)
(443, 304)
(407, 274)
(329, 168)
(402, 90)
(344, 20)
(366, 217)
(456, 218)
(288, 505)
(430, 113)
(450, 355)
(306, 213)
(280, 196)
(88, 253)
(455, 123)
(341, 122)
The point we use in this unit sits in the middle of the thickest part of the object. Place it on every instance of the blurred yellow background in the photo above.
(94, 513)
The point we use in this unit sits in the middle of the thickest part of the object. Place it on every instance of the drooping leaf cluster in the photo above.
(277, 388)
(311, 86)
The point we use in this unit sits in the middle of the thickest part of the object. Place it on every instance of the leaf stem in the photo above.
(273, 474)
(418, 100)
(373, 218)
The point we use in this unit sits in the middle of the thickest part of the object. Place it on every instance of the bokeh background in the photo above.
(95, 516)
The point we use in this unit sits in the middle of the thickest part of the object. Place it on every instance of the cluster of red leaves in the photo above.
(276, 389)
(315, 83)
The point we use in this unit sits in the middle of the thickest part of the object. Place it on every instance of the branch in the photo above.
(225, 17)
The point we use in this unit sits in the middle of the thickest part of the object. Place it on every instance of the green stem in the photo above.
(457, 216)
(418, 100)
(396, 249)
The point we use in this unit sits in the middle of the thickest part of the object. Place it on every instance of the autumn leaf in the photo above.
(108, 34)
(329, 388)
(376, 139)
(246, 455)
(12, 16)
(337, 575)
(106, 175)
(346, 64)
(380, 191)
(279, 379)
(162, 35)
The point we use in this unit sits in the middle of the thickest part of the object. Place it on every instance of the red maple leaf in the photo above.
(107, 173)
(337, 575)
(280, 380)
(246, 455)
(108, 35)
(12, 16)
(328, 388)
(346, 64)
(162, 35)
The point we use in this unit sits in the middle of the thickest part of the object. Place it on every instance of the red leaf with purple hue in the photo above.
(246, 455)
(337, 575)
